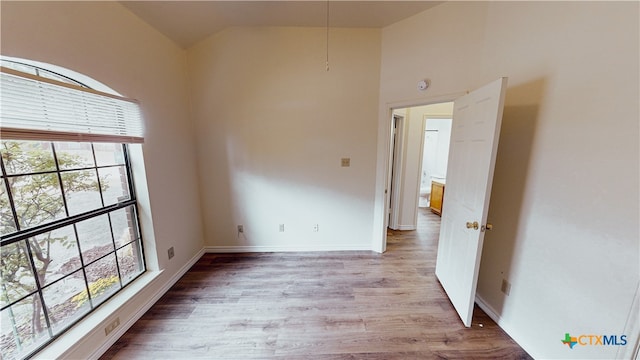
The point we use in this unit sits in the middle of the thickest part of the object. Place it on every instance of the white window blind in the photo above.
(38, 108)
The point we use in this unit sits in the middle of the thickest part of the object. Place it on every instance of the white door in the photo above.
(474, 141)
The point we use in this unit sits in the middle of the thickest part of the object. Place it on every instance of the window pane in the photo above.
(95, 238)
(130, 262)
(23, 157)
(103, 279)
(72, 155)
(37, 199)
(81, 191)
(125, 228)
(115, 187)
(17, 275)
(7, 222)
(61, 248)
(109, 154)
(19, 333)
(66, 301)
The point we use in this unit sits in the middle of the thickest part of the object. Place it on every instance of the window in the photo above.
(69, 232)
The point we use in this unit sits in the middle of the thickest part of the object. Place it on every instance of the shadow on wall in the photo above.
(509, 183)
(263, 183)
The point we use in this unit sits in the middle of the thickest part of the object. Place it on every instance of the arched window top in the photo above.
(55, 72)
(46, 102)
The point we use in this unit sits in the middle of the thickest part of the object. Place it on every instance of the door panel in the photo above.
(474, 140)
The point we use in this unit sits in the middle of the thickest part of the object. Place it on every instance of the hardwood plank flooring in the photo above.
(330, 305)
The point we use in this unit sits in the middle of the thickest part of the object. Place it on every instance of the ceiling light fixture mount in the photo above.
(424, 84)
(327, 33)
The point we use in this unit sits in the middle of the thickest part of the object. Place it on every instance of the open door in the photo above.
(474, 140)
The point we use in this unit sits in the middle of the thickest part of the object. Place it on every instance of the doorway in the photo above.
(418, 156)
(474, 142)
(429, 160)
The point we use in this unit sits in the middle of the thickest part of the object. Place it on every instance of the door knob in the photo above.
(473, 225)
(487, 227)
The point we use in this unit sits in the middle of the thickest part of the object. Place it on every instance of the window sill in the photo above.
(95, 323)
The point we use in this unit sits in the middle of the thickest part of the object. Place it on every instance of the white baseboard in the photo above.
(487, 309)
(253, 249)
(406, 227)
(504, 325)
(111, 339)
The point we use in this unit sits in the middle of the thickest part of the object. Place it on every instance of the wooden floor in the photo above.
(319, 305)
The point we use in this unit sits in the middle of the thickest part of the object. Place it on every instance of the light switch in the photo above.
(345, 162)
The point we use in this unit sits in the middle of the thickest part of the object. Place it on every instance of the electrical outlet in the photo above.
(281, 227)
(112, 326)
(171, 252)
(316, 228)
(240, 229)
(506, 287)
(345, 162)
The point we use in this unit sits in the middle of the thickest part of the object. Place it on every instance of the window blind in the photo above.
(38, 108)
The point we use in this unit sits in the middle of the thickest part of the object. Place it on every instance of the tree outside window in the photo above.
(70, 238)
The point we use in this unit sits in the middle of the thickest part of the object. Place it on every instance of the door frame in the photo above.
(396, 163)
(381, 202)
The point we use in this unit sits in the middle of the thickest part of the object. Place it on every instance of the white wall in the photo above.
(565, 197)
(272, 126)
(106, 42)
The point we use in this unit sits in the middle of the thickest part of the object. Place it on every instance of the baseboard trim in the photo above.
(504, 325)
(253, 249)
(406, 227)
(144, 308)
(488, 309)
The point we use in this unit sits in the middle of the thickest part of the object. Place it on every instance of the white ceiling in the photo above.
(187, 22)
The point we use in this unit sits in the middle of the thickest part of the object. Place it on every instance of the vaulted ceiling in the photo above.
(187, 22)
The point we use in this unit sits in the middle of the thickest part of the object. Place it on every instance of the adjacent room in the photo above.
(252, 172)
(419, 151)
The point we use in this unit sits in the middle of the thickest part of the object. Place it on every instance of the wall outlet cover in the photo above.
(506, 287)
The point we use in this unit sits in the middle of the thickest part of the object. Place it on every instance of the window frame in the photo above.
(50, 332)
(32, 232)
